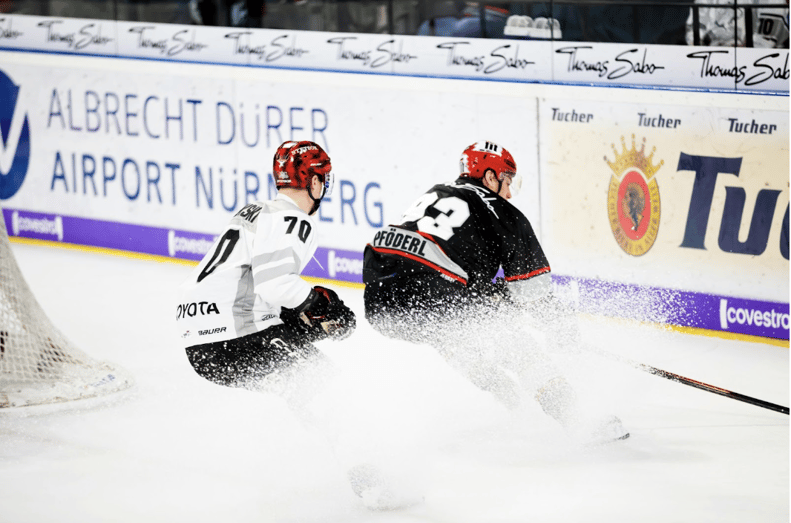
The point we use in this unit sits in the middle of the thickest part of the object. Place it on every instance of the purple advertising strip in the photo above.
(336, 264)
(651, 304)
(109, 235)
(682, 308)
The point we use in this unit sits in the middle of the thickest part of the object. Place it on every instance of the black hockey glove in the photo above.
(322, 315)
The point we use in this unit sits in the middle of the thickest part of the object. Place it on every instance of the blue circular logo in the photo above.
(14, 140)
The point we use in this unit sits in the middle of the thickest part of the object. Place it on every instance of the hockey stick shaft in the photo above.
(711, 388)
(698, 384)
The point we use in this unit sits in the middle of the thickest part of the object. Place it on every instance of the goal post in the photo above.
(38, 364)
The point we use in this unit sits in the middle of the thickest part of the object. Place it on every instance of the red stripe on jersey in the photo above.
(421, 260)
(528, 275)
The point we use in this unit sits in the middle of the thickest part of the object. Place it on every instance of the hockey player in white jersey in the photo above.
(246, 317)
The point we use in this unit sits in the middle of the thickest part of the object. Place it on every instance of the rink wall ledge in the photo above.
(560, 283)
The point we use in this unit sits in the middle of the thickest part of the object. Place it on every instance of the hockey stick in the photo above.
(695, 383)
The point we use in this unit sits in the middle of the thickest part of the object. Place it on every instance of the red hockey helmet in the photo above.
(296, 162)
(481, 156)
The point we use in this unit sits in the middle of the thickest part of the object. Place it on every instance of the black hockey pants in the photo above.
(242, 362)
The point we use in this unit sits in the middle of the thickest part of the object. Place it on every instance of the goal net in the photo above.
(38, 364)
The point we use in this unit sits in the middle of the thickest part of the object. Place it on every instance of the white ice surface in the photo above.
(179, 449)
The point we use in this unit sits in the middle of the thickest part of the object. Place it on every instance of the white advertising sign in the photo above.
(695, 194)
(148, 137)
(672, 209)
(168, 145)
(512, 60)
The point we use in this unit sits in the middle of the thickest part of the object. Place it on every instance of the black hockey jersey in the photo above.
(464, 232)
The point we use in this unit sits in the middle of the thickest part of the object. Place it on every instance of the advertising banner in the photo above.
(692, 202)
(156, 157)
(656, 204)
(510, 60)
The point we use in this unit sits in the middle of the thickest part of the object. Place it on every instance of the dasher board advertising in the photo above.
(510, 60)
(673, 211)
(692, 202)
(156, 157)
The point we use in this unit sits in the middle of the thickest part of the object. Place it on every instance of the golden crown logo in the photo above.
(633, 198)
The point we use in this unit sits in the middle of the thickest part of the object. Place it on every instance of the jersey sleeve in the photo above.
(279, 254)
(526, 268)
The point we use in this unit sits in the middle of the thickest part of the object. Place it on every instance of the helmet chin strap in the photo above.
(316, 201)
(496, 177)
(315, 207)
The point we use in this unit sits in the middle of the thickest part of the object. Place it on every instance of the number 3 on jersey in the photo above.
(452, 212)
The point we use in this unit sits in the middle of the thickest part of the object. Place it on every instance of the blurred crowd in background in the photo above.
(750, 23)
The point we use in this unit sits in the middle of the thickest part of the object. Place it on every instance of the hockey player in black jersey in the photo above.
(246, 317)
(431, 279)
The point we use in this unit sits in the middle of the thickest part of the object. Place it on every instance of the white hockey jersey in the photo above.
(718, 27)
(252, 270)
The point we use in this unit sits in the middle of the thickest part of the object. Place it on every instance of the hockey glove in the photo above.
(322, 315)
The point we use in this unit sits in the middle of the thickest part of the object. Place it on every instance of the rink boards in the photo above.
(659, 205)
